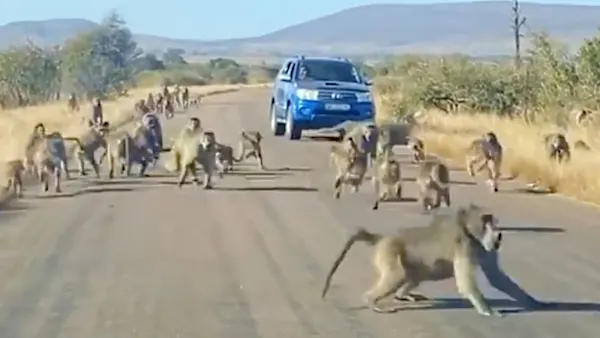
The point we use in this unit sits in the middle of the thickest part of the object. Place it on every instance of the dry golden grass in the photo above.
(17, 124)
(525, 157)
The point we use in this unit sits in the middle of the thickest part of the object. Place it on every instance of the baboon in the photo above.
(251, 146)
(581, 145)
(159, 103)
(195, 102)
(224, 157)
(176, 96)
(129, 152)
(89, 143)
(53, 145)
(557, 147)
(185, 98)
(365, 136)
(140, 107)
(387, 174)
(444, 249)
(351, 167)
(72, 104)
(433, 178)
(168, 109)
(153, 131)
(36, 137)
(15, 170)
(486, 152)
(417, 149)
(392, 134)
(150, 102)
(192, 146)
(50, 159)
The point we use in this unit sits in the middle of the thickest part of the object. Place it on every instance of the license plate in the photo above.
(337, 106)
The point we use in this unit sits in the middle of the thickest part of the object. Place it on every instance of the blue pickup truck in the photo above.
(316, 93)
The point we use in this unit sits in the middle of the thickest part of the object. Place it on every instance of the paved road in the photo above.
(141, 258)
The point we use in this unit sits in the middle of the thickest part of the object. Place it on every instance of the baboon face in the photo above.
(482, 226)
(39, 129)
(491, 138)
(209, 138)
(194, 124)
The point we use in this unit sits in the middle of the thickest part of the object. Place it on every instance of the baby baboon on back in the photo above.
(581, 145)
(251, 146)
(557, 147)
(433, 181)
(387, 174)
(486, 152)
(417, 149)
(444, 249)
(351, 166)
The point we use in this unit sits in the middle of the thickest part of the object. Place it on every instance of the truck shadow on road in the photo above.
(281, 188)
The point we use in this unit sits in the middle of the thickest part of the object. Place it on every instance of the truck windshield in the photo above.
(328, 70)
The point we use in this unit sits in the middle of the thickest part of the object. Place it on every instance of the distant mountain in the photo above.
(476, 28)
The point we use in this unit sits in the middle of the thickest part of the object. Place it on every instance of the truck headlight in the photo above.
(307, 94)
(364, 97)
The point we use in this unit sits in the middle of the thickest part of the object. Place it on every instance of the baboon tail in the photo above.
(441, 175)
(361, 235)
(76, 140)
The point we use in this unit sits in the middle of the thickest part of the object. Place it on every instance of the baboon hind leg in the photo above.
(57, 177)
(337, 186)
(387, 284)
(378, 195)
(468, 288)
(65, 167)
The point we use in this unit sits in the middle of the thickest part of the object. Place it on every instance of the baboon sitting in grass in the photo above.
(557, 147)
(445, 249)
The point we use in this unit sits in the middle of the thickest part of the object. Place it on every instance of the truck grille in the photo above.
(328, 95)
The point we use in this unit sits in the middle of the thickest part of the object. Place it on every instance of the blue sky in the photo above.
(196, 19)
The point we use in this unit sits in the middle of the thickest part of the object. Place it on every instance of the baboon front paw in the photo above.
(491, 313)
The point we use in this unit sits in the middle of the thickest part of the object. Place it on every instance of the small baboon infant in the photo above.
(387, 175)
(417, 149)
(15, 170)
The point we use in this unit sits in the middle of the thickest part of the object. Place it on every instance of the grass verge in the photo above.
(525, 157)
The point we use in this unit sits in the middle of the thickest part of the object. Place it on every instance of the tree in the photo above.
(174, 56)
(518, 23)
(101, 62)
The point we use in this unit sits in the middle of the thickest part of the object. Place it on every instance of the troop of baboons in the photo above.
(444, 249)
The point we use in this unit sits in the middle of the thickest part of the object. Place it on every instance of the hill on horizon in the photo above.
(474, 28)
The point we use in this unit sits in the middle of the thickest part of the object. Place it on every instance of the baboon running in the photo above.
(486, 152)
(557, 147)
(444, 249)
(251, 146)
(351, 166)
(387, 174)
(433, 181)
(89, 143)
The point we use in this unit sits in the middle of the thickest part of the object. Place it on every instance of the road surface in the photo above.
(141, 258)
